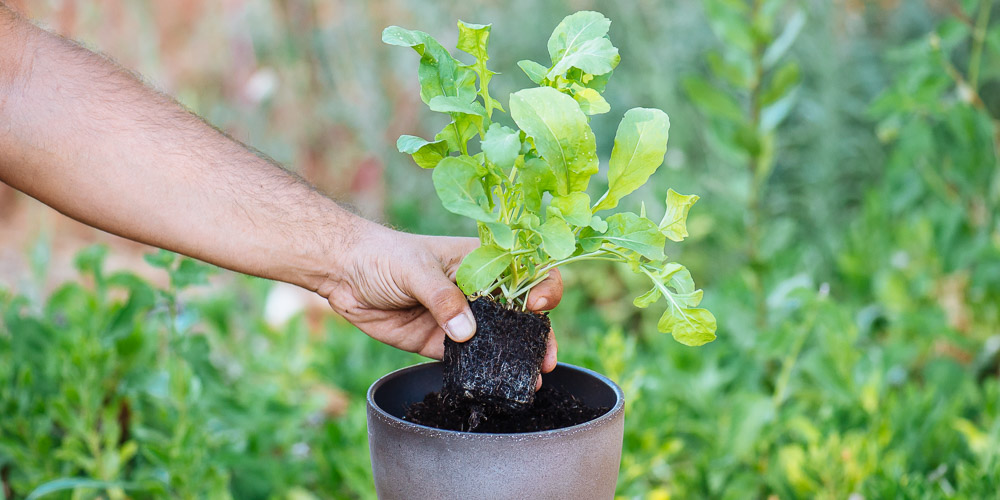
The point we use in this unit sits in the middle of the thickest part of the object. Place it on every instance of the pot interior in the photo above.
(396, 391)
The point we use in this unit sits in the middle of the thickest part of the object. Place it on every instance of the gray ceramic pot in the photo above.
(412, 461)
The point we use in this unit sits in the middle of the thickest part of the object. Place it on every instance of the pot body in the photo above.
(411, 461)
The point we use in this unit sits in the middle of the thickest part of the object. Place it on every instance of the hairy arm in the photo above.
(86, 137)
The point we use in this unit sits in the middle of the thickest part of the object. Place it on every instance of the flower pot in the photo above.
(412, 461)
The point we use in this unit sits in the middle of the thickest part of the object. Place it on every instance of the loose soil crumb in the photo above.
(551, 409)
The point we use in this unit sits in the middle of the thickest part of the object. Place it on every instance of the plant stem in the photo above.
(978, 38)
(753, 216)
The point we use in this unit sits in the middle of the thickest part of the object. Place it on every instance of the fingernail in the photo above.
(540, 303)
(461, 327)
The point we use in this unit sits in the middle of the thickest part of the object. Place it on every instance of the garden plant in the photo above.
(527, 188)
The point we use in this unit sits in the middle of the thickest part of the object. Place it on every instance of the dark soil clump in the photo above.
(501, 363)
(551, 409)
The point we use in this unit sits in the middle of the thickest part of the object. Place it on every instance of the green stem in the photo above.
(978, 38)
(543, 272)
(791, 359)
(753, 215)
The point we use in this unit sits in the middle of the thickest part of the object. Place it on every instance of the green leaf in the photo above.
(711, 100)
(502, 234)
(90, 260)
(473, 39)
(560, 133)
(595, 56)
(425, 153)
(598, 224)
(454, 104)
(596, 82)
(481, 268)
(557, 238)
(439, 73)
(628, 230)
(535, 179)
(458, 133)
(458, 183)
(190, 272)
(536, 72)
(647, 299)
(574, 31)
(501, 146)
(674, 222)
(528, 221)
(590, 100)
(781, 83)
(691, 327)
(162, 259)
(574, 208)
(772, 115)
(640, 144)
(73, 483)
(737, 71)
(780, 46)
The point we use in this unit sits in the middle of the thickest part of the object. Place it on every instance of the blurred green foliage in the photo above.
(848, 238)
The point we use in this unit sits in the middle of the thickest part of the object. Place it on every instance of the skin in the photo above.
(86, 137)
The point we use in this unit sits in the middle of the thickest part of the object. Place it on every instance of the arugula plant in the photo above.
(527, 188)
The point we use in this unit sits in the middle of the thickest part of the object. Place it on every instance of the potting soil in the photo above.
(550, 409)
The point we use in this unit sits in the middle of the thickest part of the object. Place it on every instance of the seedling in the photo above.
(527, 188)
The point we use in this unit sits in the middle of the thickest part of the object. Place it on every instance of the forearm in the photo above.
(87, 138)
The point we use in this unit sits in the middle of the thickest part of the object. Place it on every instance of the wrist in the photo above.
(346, 240)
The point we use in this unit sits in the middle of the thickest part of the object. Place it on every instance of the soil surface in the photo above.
(551, 409)
(501, 363)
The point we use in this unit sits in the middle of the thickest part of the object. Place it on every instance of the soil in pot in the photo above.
(550, 409)
(489, 381)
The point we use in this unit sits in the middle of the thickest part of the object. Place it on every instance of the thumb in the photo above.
(446, 303)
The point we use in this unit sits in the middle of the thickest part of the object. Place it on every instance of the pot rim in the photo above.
(561, 432)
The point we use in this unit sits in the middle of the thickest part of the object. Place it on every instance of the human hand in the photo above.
(399, 288)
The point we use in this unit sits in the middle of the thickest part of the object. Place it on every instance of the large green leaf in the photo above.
(640, 143)
(692, 327)
(674, 223)
(628, 230)
(574, 31)
(595, 56)
(439, 73)
(481, 267)
(561, 135)
(458, 182)
(425, 153)
(501, 146)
